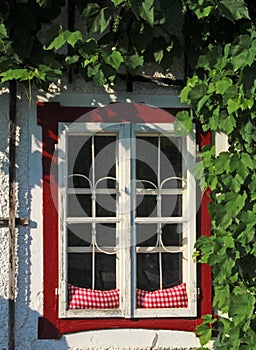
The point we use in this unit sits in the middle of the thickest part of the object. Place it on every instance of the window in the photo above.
(126, 221)
(120, 224)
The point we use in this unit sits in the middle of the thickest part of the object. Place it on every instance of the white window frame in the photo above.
(125, 219)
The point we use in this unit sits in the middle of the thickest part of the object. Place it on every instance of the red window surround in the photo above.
(50, 326)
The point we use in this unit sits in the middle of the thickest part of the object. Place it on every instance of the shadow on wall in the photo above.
(27, 340)
(28, 174)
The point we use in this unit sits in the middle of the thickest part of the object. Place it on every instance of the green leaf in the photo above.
(227, 124)
(221, 297)
(97, 18)
(95, 72)
(134, 61)
(65, 36)
(222, 85)
(241, 305)
(57, 43)
(89, 59)
(247, 161)
(204, 330)
(3, 32)
(230, 93)
(233, 105)
(243, 52)
(198, 91)
(42, 3)
(16, 74)
(248, 79)
(202, 102)
(74, 37)
(236, 183)
(201, 8)
(147, 11)
(158, 56)
(191, 83)
(234, 203)
(72, 59)
(234, 9)
(183, 124)
(198, 170)
(114, 59)
(117, 2)
(204, 11)
(222, 163)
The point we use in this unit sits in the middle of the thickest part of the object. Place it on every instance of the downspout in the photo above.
(12, 211)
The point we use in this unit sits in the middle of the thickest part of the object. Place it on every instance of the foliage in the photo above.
(219, 40)
(115, 36)
(221, 93)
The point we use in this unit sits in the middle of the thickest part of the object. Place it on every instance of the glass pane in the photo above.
(171, 160)
(105, 271)
(171, 205)
(106, 205)
(148, 272)
(172, 269)
(80, 270)
(79, 235)
(79, 205)
(106, 235)
(172, 235)
(146, 206)
(146, 159)
(79, 160)
(146, 235)
(105, 160)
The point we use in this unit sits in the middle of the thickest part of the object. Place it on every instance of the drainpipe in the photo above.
(12, 212)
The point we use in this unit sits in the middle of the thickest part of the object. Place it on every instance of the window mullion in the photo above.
(62, 171)
(159, 212)
(93, 214)
(132, 218)
(191, 214)
(125, 222)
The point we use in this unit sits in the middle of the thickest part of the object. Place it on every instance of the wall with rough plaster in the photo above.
(4, 212)
(29, 300)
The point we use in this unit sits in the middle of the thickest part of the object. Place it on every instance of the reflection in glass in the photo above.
(79, 160)
(105, 160)
(146, 159)
(148, 272)
(79, 205)
(172, 235)
(146, 206)
(146, 235)
(79, 235)
(171, 159)
(80, 270)
(105, 205)
(106, 235)
(171, 205)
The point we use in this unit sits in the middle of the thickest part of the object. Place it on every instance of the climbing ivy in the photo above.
(221, 94)
(218, 39)
(114, 36)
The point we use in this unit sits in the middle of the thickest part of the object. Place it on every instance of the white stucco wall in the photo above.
(29, 303)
